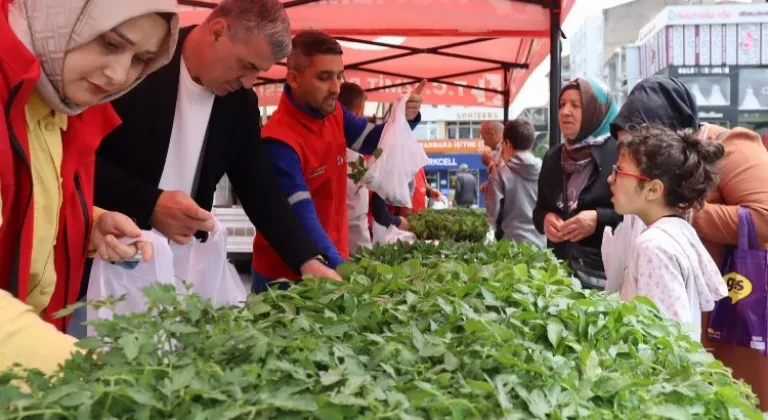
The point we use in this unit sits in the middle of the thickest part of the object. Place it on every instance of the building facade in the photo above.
(720, 52)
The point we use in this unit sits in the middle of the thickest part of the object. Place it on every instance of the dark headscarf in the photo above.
(597, 111)
(658, 100)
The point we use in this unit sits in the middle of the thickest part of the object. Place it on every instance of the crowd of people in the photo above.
(117, 121)
(651, 164)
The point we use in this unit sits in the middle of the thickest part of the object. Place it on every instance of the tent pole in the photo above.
(554, 71)
(505, 74)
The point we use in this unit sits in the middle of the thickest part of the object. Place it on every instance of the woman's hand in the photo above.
(109, 227)
(579, 226)
(552, 226)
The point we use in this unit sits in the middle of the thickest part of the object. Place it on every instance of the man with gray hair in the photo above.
(197, 119)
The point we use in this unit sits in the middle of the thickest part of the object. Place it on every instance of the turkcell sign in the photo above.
(446, 162)
(443, 161)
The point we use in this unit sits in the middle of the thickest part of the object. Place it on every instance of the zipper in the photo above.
(67, 275)
(16, 145)
(84, 208)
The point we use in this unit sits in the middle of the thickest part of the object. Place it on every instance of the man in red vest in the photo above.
(307, 138)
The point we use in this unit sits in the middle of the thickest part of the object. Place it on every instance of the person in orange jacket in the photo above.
(61, 61)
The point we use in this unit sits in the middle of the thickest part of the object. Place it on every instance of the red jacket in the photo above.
(19, 72)
(322, 151)
(420, 192)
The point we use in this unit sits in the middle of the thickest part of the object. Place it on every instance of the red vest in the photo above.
(322, 150)
(19, 71)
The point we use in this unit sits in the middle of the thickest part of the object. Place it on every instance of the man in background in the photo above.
(353, 97)
(466, 188)
(513, 186)
(492, 133)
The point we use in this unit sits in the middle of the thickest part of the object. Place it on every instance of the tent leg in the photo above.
(506, 75)
(554, 72)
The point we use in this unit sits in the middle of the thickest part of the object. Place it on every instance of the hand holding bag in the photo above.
(741, 318)
(114, 280)
(402, 157)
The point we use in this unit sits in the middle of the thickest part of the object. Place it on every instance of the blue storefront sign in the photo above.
(446, 165)
(441, 162)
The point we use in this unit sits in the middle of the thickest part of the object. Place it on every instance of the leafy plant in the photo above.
(359, 168)
(429, 253)
(439, 331)
(455, 224)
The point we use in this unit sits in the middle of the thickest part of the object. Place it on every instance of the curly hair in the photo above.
(683, 161)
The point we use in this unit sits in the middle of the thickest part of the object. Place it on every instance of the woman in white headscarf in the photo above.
(61, 62)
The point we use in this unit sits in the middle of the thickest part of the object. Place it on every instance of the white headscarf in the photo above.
(51, 28)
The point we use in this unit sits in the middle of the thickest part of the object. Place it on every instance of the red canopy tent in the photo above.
(473, 52)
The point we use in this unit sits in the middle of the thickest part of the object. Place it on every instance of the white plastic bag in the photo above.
(440, 204)
(616, 248)
(113, 280)
(402, 156)
(391, 235)
(205, 267)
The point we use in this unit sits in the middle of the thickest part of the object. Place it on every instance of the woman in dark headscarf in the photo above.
(574, 202)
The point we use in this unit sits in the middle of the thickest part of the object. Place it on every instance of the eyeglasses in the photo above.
(617, 171)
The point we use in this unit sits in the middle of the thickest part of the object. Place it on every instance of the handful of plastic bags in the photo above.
(400, 159)
(203, 265)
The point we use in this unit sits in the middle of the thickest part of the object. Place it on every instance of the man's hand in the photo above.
(404, 224)
(413, 105)
(579, 226)
(552, 228)
(108, 229)
(319, 270)
(483, 187)
(487, 157)
(178, 217)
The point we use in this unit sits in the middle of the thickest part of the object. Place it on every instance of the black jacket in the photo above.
(596, 195)
(130, 161)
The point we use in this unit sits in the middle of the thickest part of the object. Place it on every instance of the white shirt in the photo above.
(669, 265)
(193, 110)
(357, 209)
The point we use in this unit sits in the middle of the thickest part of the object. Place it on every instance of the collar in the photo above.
(306, 116)
(37, 109)
(307, 110)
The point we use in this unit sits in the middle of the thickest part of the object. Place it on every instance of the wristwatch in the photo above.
(322, 259)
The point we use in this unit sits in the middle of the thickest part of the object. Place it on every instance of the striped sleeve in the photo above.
(290, 177)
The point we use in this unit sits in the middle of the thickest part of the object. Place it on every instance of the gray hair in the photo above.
(258, 17)
(463, 167)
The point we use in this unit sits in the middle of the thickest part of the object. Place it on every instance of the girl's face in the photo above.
(628, 197)
(113, 61)
(570, 113)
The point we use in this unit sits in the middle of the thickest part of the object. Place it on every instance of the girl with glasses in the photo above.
(661, 175)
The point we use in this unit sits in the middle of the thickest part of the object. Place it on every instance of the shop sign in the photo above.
(453, 146)
(705, 15)
(443, 161)
(703, 70)
(710, 115)
(451, 162)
